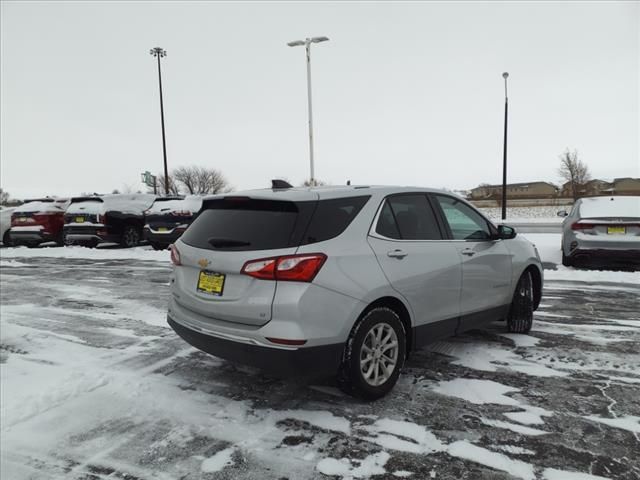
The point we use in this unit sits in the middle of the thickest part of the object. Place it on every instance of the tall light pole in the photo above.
(307, 43)
(159, 53)
(505, 75)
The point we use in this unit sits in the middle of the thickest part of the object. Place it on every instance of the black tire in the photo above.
(159, 246)
(6, 239)
(351, 378)
(130, 237)
(567, 261)
(520, 317)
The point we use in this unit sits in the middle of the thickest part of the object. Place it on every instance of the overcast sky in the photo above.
(404, 93)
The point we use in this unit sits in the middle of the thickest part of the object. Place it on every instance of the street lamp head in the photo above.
(319, 39)
(296, 43)
(158, 52)
(505, 75)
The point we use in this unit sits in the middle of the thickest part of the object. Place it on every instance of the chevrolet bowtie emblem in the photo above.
(204, 263)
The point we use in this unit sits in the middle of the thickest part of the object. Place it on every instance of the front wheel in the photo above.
(520, 317)
(130, 237)
(373, 355)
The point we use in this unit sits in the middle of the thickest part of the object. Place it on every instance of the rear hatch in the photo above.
(615, 219)
(38, 214)
(229, 232)
(84, 211)
(170, 213)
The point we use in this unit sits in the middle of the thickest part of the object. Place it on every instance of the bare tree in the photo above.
(4, 197)
(315, 183)
(574, 171)
(200, 180)
(174, 188)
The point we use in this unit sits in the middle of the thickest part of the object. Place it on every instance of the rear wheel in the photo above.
(6, 239)
(159, 246)
(373, 355)
(566, 261)
(130, 237)
(520, 317)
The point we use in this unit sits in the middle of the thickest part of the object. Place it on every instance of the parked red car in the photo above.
(37, 221)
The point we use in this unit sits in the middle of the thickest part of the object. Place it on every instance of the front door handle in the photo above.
(397, 253)
(469, 252)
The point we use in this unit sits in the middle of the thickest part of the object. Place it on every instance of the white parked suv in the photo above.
(345, 280)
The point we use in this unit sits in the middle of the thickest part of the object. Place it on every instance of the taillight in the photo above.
(175, 255)
(100, 218)
(582, 226)
(294, 268)
(182, 213)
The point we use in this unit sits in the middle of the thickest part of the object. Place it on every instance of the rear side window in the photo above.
(408, 217)
(248, 224)
(332, 217)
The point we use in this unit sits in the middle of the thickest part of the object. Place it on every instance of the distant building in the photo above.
(596, 187)
(516, 190)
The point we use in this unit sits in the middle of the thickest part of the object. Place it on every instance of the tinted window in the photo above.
(247, 224)
(332, 217)
(464, 222)
(408, 217)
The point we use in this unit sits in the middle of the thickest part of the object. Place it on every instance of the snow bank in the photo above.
(137, 253)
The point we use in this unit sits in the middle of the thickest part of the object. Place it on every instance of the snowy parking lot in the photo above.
(95, 385)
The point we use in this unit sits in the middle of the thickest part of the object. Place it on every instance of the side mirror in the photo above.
(506, 233)
(563, 213)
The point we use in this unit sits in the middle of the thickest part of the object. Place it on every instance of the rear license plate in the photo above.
(79, 219)
(616, 230)
(23, 219)
(211, 283)
(162, 229)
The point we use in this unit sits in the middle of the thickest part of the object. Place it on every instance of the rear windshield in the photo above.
(616, 207)
(248, 224)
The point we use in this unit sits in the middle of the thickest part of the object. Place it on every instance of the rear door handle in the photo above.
(469, 252)
(397, 253)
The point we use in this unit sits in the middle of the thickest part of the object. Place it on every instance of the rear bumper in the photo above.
(31, 236)
(88, 234)
(162, 238)
(309, 361)
(604, 257)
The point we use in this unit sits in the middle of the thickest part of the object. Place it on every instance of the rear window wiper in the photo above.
(227, 242)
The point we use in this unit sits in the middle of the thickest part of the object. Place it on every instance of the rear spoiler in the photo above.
(170, 197)
(45, 199)
(86, 199)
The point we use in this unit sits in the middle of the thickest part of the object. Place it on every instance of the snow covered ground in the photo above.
(546, 214)
(94, 385)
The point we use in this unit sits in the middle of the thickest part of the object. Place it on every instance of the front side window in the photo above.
(464, 222)
(408, 217)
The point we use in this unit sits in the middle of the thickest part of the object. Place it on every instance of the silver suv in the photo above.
(345, 280)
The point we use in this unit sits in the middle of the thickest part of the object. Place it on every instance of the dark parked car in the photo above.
(168, 218)
(38, 221)
(117, 218)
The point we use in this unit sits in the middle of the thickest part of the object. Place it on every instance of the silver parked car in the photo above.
(602, 231)
(345, 280)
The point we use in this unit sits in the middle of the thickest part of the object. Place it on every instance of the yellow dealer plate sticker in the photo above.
(211, 283)
(79, 219)
(162, 229)
(616, 230)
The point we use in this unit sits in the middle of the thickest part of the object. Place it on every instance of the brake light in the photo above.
(582, 226)
(175, 255)
(294, 268)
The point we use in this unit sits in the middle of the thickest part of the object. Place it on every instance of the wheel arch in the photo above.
(400, 308)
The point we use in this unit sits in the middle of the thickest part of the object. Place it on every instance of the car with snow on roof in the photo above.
(168, 218)
(115, 218)
(38, 221)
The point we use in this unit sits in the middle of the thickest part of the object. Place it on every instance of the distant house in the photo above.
(596, 187)
(516, 190)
